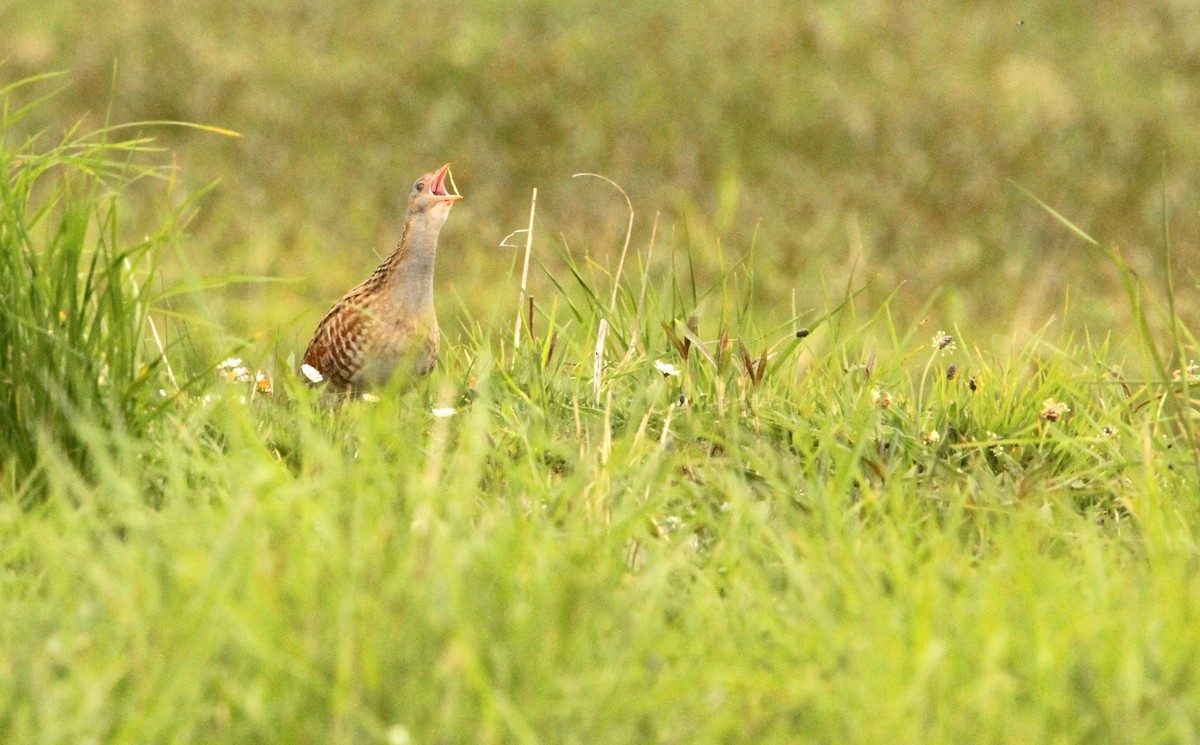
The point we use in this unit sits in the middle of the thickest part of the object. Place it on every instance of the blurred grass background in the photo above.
(830, 138)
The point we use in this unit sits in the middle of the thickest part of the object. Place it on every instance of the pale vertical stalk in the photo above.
(641, 430)
(666, 431)
(597, 493)
(628, 232)
(162, 351)
(598, 359)
(525, 271)
(606, 442)
(637, 321)
(438, 444)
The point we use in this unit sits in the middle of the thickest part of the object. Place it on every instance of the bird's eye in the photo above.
(419, 186)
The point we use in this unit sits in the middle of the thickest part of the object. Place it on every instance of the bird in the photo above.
(386, 326)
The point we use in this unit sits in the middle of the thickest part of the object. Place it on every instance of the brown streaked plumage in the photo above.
(386, 325)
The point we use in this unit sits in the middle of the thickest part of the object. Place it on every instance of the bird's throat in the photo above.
(409, 270)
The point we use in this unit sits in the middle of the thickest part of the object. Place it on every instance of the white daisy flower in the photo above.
(313, 374)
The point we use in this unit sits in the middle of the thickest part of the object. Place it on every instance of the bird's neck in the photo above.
(407, 274)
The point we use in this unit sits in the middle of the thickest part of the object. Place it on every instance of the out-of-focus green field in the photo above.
(868, 142)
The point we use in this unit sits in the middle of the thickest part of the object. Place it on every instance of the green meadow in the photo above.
(811, 372)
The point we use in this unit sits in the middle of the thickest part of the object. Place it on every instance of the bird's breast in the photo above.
(402, 346)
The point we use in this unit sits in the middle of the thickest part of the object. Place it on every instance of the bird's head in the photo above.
(429, 195)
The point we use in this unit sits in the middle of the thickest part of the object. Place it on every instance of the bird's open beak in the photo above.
(437, 187)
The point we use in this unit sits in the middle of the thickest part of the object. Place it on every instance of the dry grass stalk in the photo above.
(525, 271)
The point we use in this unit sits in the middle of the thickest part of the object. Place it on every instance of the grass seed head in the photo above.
(1053, 411)
(943, 342)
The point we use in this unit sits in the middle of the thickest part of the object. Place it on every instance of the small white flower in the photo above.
(1192, 372)
(882, 399)
(444, 411)
(370, 398)
(313, 374)
(262, 382)
(996, 450)
(933, 437)
(398, 734)
(232, 370)
(666, 368)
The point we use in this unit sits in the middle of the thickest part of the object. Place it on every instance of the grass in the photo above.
(875, 531)
(76, 301)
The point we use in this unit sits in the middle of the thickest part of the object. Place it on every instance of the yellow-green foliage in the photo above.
(875, 135)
